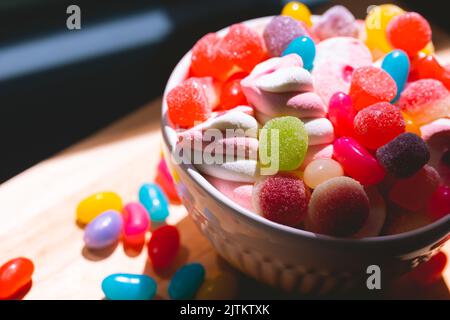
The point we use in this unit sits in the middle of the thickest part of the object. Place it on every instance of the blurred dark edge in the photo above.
(43, 112)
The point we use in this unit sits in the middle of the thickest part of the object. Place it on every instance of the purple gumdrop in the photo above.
(104, 230)
(280, 31)
(337, 21)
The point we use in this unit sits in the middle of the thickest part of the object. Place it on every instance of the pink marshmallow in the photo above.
(241, 193)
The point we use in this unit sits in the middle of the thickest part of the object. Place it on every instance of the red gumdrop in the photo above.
(165, 181)
(431, 271)
(163, 246)
(243, 47)
(371, 85)
(439, 204)
(205, 60)
(427, 67)
(231, 94)
(341, 114)
(410, 32)
(191, 101)
(378, 124)
(14, 275)
(282, 198)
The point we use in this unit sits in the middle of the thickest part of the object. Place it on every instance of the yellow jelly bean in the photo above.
(92, 206)
(377, 21)
(298, 11)
(410, 126)
(222, 287)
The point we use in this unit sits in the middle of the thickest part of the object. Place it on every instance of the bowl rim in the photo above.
(430, 233)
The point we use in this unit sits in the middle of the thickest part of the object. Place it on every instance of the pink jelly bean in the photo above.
(341, 114)
(357, 162)
(439, 204)
(136, 223)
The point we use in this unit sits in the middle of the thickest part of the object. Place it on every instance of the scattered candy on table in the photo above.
(154, 200)
(186, 281)
(14, 275)
(163, 246)
(104, 230)
(92, 206)
(125, 286)
(136, 221)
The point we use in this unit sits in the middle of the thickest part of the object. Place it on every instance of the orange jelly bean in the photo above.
(410, 126)
(14, 275)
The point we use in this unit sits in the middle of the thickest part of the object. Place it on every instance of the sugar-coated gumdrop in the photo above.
(338, 207)
(404, 155)
(165, 181)
(430, 271)
(396, 64)
(439, 204)
(378, 124)
(371, 85)
(282, 198)
(163, 246)
(243, 47)
(186, 281)
(222, 287)
(321, 170)
(14, 275)
(305, 48)
(425, 100)
(376, 23)
(357, 162)
(427, 67)
(155, 201)
(280, 31)
(410, 125)
(104, 230)
(413, 193)
(126, 286)
(337, 21)
(136, 222)
(341, 114)
(409, 32)
(231, 94)
(298, 11)
(283, 143)
(192, 100)
(92, 206)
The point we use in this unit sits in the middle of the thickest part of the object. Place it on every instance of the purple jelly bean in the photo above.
(280, 31)
(337, 21)
(104, 230)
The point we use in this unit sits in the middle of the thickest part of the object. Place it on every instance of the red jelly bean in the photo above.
(14, 275)
(371, 85)
(431, 271)
(341, 114)
(378, 124)
(409, 32)
(439, 204)
(357, 162)
(163, 246)
(165, 181)
(231, 94)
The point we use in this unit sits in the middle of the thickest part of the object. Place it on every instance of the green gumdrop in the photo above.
(292, 143)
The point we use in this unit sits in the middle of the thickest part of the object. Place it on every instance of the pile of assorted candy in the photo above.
(359, 111)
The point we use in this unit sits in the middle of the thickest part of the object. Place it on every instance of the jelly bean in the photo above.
(282, 198)
(371, 85)
(165, 180)
(163, 246)
(357, 162)
(396, 63)
(321, 170)
(290, 143)
(338, 207)
(376, 23)
(232, 94)
(305, 48)
(186, 281)
(14, 275)
(104, 230)
(125, 286)
(92, 206)
(410, 126)
(298, 11)
(341, 114)
(136, 222)
(222, 287)
(439, 204)
(154, 200)
(409, 32)
(430, 271)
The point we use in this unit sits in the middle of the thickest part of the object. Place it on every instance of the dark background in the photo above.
(42, 111)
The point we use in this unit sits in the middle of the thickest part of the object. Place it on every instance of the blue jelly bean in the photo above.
(154, 200)
(124, 286)
(397, 64)
(305, 48)
(104, 230)
(186, 281)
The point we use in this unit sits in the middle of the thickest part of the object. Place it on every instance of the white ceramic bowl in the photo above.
(284, 257)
